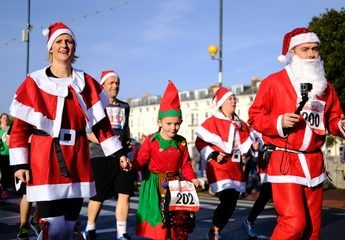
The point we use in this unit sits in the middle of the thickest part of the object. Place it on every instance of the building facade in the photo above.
(197, 105)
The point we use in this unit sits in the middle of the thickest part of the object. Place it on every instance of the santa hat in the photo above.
(294, 38)
(170, 103)
(55, 30)
(108, 73)
(221, 95)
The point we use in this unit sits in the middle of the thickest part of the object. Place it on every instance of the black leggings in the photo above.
(228, 199)
(70, 208)
(264, 196)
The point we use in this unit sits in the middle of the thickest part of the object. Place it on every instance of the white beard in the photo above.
(308, 71)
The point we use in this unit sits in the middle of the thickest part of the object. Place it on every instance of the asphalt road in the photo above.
(333, 226)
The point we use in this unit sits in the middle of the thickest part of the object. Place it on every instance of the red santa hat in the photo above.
(108, 73)
(221, 95)
(294, 38)
(170, 103)
(55, 30)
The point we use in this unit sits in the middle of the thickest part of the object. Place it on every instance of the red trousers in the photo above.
(299, 211)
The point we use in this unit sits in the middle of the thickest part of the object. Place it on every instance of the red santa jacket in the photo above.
(220, 134)
(40, 103)
(302, 163)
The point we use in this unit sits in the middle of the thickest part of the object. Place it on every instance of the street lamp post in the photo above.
(26, 38)
(213, 49)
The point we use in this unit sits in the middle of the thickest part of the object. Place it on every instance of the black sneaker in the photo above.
(89, 235)
(23, 233)
(35, 226)
(125, 237)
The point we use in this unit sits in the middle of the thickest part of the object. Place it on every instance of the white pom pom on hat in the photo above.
(45, 32)
(296, 37)
(55, 30)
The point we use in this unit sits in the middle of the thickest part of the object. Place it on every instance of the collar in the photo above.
(164, 144)
(47, 85)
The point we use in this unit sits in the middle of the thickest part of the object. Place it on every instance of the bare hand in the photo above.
(220, 157)
(23, 175)
(196, 182)
(342, 121)
(255, 145)
(289, 120)
(124, 163)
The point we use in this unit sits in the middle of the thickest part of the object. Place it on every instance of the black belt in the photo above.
(43, 133)
(58, 151)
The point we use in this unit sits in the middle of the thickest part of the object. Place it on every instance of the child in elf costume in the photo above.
(165, 156)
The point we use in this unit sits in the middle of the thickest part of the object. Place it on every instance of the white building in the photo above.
(196, 106)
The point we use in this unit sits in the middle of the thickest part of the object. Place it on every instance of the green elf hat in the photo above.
(170, 104)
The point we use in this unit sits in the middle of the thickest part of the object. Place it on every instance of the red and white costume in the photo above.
(296, 169)
(220, 134)
(41, 103)
(265, 116)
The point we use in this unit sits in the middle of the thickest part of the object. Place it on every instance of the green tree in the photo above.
(330, 28)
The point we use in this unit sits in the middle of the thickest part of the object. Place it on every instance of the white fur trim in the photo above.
(111, 145)
(263, 177)
(29, 115)
(18, 156)
(96, 113)
(104, 98)
(58, 33)
(306, 139)
(245, 146)
(280, 127)
(228, 184)
(214, 139)
(305, 169)
(303, 38)
(223, 99)
(296, 179)
(50, 192)
(106, 76)
(205, 152)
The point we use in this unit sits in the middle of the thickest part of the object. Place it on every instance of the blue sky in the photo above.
(149, 42)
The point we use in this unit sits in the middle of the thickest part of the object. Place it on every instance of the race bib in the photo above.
(117, 117)
(183, 196)
(313, 114)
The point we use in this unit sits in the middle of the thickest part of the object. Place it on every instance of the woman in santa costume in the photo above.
(165, 155)
(56, 106)
(293, 109)
(221, 140)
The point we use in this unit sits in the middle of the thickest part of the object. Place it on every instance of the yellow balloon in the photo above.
(213, 49)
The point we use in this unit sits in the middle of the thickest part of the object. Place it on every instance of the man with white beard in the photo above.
(296, 169)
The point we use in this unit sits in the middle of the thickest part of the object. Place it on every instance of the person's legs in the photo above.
(59, 217)
(93, 210)
(103, 173)
(289, 201)
(25, 209)
(122, 209)
(264, 196)
(228, 199)
(314, 211)
(124, 186)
